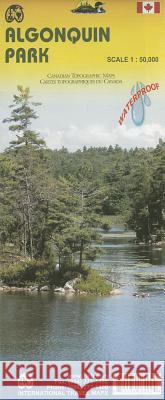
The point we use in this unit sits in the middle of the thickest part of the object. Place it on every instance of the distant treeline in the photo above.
(132, 182)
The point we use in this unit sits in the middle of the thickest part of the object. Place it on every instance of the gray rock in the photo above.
(116, 292)
(69, 288)
(32, 288)
(6, 288)
(74, 281)
(59, 290)
(13, 289)
(35, 289)
(70, 284)
(44, 289)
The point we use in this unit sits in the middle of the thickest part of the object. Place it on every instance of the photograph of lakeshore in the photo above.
(82, 240)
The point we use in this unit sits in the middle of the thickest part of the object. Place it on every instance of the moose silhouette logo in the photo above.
(14, 13)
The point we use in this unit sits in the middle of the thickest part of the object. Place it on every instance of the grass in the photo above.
(94, 284)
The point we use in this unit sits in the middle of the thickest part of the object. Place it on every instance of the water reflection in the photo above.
(121, 327)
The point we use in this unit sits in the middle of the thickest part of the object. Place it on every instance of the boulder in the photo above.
(44, 289)
(59, 290)
(116, 292)
(74, 281)
(70, 284)
(35, 289)
(13, 289)
(6, 288)
(69, 288)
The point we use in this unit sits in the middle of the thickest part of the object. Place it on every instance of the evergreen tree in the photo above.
(25, 149)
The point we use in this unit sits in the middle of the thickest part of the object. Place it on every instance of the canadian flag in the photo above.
(148, 7)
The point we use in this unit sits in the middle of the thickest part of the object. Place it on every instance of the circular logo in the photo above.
(14, 13)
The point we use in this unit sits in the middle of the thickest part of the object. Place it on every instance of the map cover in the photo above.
(82, 199)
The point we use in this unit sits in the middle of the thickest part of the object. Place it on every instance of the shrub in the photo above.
(23, 273)
(94, 284)
(12, 275)
(106, 226)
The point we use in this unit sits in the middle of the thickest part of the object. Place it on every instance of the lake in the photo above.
(54, 327)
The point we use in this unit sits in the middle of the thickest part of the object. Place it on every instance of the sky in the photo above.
(75, 119)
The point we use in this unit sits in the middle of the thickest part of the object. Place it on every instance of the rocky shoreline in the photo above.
(68, 289)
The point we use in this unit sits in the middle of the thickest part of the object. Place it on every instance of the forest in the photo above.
(52, 202)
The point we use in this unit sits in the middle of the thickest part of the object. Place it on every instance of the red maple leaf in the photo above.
(148, 7)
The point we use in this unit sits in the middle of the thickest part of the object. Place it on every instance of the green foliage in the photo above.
(20, 181)
(111, 220)
(40, 273)
(105, 226)
(21, 115)
(146, 191)
(94, 284)
(42, 277)
(23, 274)
(52, 202)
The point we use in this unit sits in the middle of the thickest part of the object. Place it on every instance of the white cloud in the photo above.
(75, 137)
(5, 136)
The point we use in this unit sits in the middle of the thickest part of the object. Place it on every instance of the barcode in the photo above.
(143, 390)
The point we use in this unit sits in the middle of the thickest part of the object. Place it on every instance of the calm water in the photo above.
(121, 327)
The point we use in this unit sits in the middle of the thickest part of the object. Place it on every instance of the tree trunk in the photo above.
(29, 218)
(59, 261)
(24, 233)
(81, 253)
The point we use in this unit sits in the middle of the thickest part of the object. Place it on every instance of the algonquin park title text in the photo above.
(46, 34)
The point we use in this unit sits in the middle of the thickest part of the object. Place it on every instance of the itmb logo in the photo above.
(14, 13)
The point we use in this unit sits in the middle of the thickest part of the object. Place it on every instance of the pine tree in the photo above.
(25, 148)
(21, 118)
